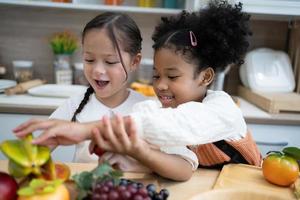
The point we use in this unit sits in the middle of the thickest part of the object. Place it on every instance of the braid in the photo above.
(84, 101)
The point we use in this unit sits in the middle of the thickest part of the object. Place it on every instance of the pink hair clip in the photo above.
(193, 39)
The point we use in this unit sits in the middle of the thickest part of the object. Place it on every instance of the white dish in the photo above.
(267, 70)
(54, 90)
(4, 84)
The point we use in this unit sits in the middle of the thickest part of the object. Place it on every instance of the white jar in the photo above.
(23, 70)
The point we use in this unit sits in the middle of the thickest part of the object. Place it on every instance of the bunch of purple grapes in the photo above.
(126, 190)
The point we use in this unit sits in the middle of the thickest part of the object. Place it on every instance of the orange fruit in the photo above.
(280, 169)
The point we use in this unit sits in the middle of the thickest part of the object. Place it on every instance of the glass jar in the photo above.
(22, 70)
(113, 2)
(79, 77)
(62, 69)
(146, 3)
(145, 71)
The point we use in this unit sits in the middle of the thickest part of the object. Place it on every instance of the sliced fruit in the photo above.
(52, 171)
(40, 189)
(63, 172)
(24, 157)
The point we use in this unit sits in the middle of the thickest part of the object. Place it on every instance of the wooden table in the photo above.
(201, 181)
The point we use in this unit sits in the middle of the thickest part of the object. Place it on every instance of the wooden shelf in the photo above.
(92, 7)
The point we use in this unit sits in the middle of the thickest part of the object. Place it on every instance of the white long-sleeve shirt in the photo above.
(216, 118)
(95, 110)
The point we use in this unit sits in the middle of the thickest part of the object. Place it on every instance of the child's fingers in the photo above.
(46, 138)
(132, 130)
(120, 132)
(26, 124)
(37, 125)
(108, 134)
(98, 139)
(92, 146)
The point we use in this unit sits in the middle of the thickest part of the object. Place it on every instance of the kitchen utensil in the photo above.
(267, 70)
(23, 87)
(54, 90)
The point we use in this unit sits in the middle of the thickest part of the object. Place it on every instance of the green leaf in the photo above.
(84, 180)
(293, 152)
(101, 170)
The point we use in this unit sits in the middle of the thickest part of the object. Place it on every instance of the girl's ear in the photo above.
(207, 76)
(136, 62)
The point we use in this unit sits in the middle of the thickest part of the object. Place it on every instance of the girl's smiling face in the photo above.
(175, 81)
(103, 68)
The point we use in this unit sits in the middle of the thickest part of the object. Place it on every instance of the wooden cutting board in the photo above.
(249, 177)
(272, 102)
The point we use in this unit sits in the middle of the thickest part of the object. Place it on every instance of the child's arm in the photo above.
(114, 137)
(56, 132)
(216, 118)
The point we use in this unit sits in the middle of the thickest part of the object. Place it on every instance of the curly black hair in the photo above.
(221, 31)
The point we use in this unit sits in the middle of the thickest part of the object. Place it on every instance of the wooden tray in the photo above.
(272, 102)
(240, 176)
(238, 194)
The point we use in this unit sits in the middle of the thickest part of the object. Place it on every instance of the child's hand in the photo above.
(123, 163)
(55, 132)
(114, 137)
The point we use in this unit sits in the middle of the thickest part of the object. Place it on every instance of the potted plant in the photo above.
(63, 46)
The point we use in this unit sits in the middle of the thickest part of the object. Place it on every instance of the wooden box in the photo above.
(272, 102)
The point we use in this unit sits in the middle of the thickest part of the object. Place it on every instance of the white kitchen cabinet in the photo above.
(10, 121)
(275, 137)
(272, 132)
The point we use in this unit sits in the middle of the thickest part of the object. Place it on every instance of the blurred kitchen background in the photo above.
(26, 28)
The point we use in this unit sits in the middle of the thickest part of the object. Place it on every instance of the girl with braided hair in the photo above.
(111, 44)
(188, 49)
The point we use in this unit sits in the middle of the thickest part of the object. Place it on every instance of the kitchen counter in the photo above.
(201, 181)
(26, 104)
(255, 115)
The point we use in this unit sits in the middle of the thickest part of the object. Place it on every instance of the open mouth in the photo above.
(166, 100)
(102, 83)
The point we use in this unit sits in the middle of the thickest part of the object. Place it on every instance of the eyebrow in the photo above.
(87, 52)
(168, 69)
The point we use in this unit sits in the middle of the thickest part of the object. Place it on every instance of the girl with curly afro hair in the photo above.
(188, 49)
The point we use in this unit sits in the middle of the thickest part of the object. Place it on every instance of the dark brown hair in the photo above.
(121, 29)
